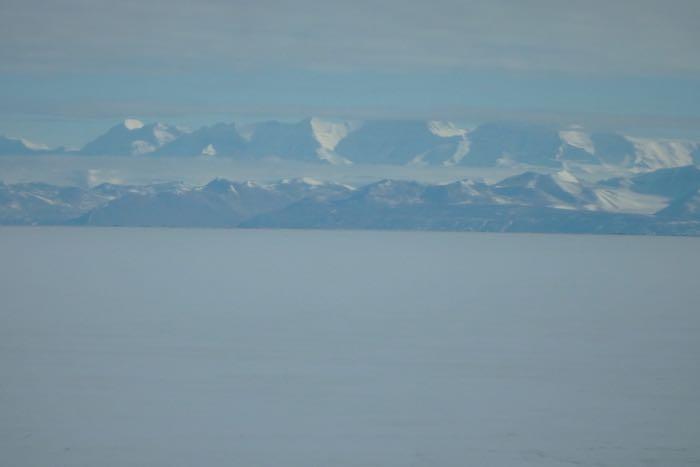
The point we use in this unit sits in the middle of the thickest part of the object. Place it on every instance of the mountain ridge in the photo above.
(530, 201)
(386, 142)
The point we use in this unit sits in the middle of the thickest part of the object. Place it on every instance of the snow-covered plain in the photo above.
(133, 347)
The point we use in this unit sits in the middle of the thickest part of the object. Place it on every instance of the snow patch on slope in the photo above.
(133, 124)
(312, 181)
(574, 136)
(658, 154)
(33, 145)
(418, 161)
(210, 150)
(246, 131)
(445, 129)
(163, 135)
(329, 134)
(568, 182)
(460, 153)
(624, 200)
(331, 157)
(140, 147)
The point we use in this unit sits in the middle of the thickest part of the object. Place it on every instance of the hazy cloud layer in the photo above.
(609, 63)
(593, 36)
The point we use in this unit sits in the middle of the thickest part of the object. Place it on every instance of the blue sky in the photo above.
(68, 68)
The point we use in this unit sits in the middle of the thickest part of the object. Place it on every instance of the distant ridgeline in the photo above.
(662, 202)
(419, 143)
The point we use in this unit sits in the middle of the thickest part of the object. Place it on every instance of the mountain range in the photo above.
(665, 201)
(397, 142)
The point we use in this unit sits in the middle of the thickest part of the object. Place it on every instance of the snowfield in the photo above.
(174, 348)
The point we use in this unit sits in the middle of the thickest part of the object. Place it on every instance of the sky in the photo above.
(70, 68)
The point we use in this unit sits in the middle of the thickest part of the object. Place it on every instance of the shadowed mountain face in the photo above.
(684, 208)
(168, 209)
(613, 148)
(577, 154)
(220, 203)
(556, 202)
(501, 143)
(672, 183)
(217, 140)
(294, 141)
(395, 143)
(461, 192)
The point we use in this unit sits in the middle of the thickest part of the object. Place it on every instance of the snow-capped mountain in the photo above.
(625, 151)
(251, 197)
(41, 203)
(311, 140)
(421, 143)
(290, 141)
(387, 142)
(559, 190)
(392, 192)
(307, 187)
(494, 144)
(220, 203)
(319, 140)
(407, 192)
(132, 138)
(565, 191)
(554, 202)
(176, 208)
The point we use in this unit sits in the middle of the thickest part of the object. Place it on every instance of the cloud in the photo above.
(612, 36)
(601, 62)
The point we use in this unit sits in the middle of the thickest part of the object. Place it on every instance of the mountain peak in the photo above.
(220, 185)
